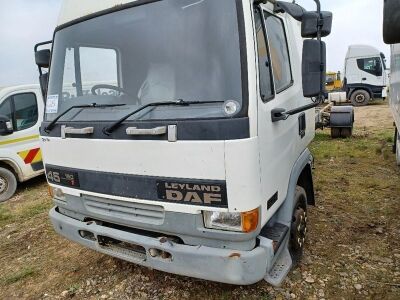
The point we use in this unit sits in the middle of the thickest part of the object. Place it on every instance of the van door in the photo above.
(22, 146)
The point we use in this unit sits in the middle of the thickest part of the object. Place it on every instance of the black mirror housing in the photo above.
(309, 24)
(391, 24)
(6, 127)
(314, 68)
(42, 58)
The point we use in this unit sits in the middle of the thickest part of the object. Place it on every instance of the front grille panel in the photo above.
(124, 210)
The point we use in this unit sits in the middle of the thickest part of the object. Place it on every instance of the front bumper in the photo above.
(221, 265)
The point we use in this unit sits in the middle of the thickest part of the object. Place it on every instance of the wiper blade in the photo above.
(108, 130)
(49, 127)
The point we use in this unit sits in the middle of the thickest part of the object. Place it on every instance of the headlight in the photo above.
(240, 222)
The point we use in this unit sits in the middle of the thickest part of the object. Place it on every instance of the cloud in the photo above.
(23, 23)
(354, 22)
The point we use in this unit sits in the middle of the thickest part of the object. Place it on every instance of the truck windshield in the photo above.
(160, 51)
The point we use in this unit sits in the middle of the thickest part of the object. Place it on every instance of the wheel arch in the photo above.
(11, 166)
(301, 175)
(306, 182)
(357, 88)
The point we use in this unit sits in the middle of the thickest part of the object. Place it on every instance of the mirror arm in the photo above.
(320, 24)
(280, 114)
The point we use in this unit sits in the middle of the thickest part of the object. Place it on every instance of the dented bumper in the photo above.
(221, 265)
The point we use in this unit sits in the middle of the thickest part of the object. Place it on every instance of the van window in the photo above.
(370, 65)
(5, 108)
(279, 52)
(265, 78)
(21, 109)
(25, 111)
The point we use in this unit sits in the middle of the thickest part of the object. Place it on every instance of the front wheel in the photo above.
(360, 98)
(298, 228)
(8, 184)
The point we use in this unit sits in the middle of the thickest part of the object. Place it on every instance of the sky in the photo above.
(23, 23)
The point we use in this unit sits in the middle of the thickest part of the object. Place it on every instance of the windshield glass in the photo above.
(161, 51)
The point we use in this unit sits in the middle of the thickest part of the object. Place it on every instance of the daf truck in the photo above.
(21, 113)
(391, 34)
(365, 74)
(197, 161)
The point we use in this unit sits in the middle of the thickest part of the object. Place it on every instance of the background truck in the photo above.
(391, 34)
(365, 75)
(21, 113)
(199, 164)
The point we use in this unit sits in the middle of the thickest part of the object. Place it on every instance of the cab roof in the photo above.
(75, 9)
(361, 51)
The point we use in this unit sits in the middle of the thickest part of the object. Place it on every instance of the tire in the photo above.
(335, 133)
(298, 227)
(346, 132)
(360, 98)
(8, 184)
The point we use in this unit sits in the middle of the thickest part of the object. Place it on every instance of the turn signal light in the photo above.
(250, 220)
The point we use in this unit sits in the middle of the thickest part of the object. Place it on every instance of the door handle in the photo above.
(278, 114)
(363, 79)
(151, 131)
(71, 130)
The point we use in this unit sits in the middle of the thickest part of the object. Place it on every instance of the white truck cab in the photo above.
(193, 159)
(21, 113)
(365, 74)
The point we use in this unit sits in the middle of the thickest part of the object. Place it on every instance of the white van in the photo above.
(365, 75)
(21, 113)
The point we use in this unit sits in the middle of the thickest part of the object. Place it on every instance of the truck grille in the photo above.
(124, 210)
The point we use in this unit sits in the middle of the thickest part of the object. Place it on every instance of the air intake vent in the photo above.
(124, 210)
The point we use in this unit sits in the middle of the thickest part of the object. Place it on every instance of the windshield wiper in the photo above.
(108, 130)
(49, 127)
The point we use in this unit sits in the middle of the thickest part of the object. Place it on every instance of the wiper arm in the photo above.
(49, 127)
(108, 130)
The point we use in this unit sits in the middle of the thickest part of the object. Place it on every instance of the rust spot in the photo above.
(234, 255)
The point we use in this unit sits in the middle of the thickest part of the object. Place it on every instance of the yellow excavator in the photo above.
(333, 82)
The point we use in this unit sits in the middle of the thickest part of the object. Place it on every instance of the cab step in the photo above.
(276, 233)
(280, 269)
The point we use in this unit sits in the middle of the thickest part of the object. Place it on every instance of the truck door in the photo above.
(277, 87)
(22, 145)
(371, 71)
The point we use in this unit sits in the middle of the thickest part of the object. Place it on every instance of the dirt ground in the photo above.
(353, 246)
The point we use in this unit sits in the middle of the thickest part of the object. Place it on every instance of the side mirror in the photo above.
(6, 127)
(314, 68)
(391, 24)
(309, 24)
(42, 58)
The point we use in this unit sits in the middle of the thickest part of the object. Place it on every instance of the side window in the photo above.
(25, 111)
(5, 108)
(370, 65)
(98, 66)
(279, 52)
(266, 85)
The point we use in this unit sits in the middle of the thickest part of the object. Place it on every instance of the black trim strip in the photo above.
(272, 201)
(131, 186)
(188, 130)
(37, 166)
